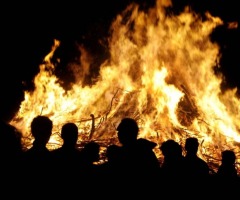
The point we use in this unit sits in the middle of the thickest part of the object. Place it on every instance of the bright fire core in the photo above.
(160, 72)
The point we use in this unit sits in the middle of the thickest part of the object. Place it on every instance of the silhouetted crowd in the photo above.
(131, 168)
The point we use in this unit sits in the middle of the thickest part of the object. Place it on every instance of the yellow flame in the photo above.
(160, 72)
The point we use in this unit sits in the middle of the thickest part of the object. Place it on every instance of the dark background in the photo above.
(29, 29)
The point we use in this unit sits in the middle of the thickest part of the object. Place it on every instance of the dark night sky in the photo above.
(28, 31)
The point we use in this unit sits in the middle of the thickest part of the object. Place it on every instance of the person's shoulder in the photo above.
(56, 151)
(142, 142)
(202, 161)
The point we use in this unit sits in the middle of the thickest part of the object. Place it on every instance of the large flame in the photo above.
(160, 72)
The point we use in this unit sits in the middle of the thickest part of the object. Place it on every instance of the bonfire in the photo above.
(160, 71)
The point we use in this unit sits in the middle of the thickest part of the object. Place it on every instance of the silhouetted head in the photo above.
(171, 149)
(69, 133)
(113, 153)
(41, 128)
(127, 131)
(228, 157)
(10, 139)
(191, 145)
(91, 151)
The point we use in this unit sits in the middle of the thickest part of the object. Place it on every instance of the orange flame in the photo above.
(160, 72)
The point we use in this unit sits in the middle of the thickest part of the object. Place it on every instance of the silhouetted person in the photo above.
(89, 156)
(90, 153)
(38, 159)
(10, 144)
(111, 168)
(114, 158)
(67, 157)
(227, 169)
(173, 160)
(227, 179)
(10, 158)
(41, 129)
(68, 153)
(140, 165)
(196, 168)
(172, 167)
